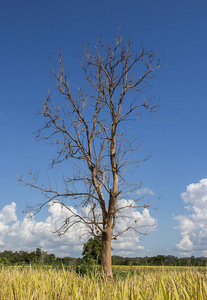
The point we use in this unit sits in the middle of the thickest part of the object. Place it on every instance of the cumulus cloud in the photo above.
(193, 224)
(28, 234)
(129, 216)
(142, 222)
(7, 215)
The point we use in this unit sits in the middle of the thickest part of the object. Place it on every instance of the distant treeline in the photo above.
(159, 260)
(34, 257)
(41, 257)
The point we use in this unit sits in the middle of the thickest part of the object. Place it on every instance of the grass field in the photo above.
(129, 283)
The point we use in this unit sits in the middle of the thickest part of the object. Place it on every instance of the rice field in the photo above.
(129, 283)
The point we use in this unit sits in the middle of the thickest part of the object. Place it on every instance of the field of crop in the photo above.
(129, 283)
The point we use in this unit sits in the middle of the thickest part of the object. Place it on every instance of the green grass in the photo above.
(129, 283)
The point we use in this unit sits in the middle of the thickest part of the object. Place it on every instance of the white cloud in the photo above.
(129, 216)
(193, 225)
(123, 245)
(185, 244)
(143, 222)
(125, 253)
(145, 191)
(28, 234)
(188, 253)
(205, 253)
(196, 193)
(7, 215)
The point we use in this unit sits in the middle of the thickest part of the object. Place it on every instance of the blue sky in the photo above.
(31, 32)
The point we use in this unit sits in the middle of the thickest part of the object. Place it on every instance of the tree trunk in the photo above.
(106, 254)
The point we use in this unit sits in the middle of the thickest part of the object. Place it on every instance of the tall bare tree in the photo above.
(87, 126)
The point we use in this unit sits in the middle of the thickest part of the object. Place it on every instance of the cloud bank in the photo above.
(28, 234)
(193, 224)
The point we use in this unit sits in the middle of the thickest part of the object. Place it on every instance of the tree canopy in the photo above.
(92, 249)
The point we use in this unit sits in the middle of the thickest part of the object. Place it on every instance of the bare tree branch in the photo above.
(87, 128)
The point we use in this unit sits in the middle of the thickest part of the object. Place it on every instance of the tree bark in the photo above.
(106, 266)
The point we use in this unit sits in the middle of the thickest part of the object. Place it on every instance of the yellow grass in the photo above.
(143, 283)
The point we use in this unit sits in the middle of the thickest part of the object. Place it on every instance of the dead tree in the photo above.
(87, 126)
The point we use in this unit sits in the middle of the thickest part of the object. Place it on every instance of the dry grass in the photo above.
(139, 283)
